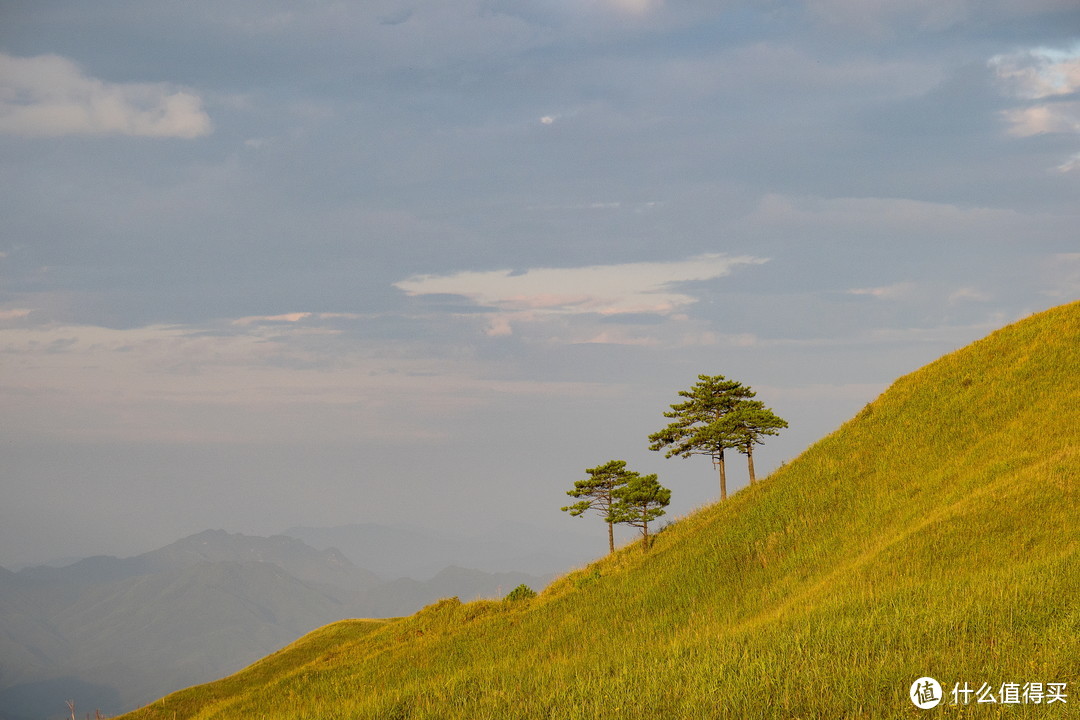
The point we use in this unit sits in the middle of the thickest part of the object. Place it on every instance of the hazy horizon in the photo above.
(265, 265)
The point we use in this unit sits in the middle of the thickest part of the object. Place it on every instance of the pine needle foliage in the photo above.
(599, 492)
(933, 534)
(717, 415)
(748, 425)
(639, 502)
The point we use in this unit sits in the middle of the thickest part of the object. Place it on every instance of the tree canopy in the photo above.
(641, 500)
(699, 427)
(598, 493)
(749, 423)
(718, 414)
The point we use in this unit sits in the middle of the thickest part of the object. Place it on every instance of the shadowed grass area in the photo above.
(936, 533)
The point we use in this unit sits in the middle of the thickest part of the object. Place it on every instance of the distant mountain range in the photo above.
(115, 633)
(394, 552)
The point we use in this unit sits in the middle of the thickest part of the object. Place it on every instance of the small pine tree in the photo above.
(640, 501)
(598, 492)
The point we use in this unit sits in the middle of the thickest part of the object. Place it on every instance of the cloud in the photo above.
(646, 287)
(231, 382)
(885, 292)
(1072, 163)
(1042, 119)
(569, 304)
(50, 96)
(969, 293)
(258, 319)
(1041, 74)
(15, 313)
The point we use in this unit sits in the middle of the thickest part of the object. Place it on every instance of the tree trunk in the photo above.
(723, 475)
(611, 537)
(645, 531)
(750, 462)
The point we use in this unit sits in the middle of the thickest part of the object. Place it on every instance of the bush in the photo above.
(584, 579)
(521, 592)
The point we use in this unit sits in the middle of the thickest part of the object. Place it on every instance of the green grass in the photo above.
(936, 533)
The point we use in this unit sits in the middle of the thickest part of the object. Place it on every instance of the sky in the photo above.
(268, 263)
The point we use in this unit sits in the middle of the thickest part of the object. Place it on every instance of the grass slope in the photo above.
(936, 533)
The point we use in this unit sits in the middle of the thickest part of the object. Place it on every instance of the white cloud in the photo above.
(969, 293)
(604, 289)
(1072, 163)
(292, 318)
(499, 327)
(1061, 117)
(1041, 74)
(238, 384)
(885, 292)
(15, 313)
(261, 319)
(620, 336)
(48, 96)
(571, 298)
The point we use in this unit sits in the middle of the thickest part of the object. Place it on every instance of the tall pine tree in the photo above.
(749, 423)
(700, 426)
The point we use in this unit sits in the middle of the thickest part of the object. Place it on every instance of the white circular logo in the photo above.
(925, 693)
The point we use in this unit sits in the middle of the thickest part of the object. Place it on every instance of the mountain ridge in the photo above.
(113, 633)
(397, 551)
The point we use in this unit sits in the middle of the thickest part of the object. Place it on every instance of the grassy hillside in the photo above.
(937, 533)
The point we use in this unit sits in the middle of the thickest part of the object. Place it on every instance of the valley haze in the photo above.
(114, 634)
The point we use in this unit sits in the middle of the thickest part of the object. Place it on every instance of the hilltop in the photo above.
(934, 534)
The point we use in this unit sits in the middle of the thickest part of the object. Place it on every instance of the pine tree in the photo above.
(599, 492)
(750, 422)
(641, 500)
(700, 427)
